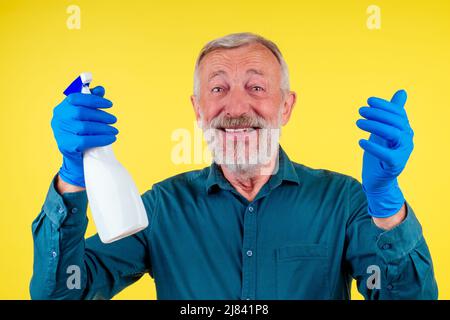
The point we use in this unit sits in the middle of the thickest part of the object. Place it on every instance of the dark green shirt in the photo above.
(306, 235)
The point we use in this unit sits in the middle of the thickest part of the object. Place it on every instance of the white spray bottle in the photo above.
(116, 205)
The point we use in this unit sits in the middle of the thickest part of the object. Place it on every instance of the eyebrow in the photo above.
(215, 74)
(223, 72)
(255, 71)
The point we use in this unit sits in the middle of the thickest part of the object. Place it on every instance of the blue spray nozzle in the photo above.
(74, 87)
(77, 85)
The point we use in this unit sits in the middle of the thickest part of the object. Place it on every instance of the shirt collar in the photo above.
(285, 172)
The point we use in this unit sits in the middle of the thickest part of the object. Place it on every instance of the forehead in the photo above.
(252, 56)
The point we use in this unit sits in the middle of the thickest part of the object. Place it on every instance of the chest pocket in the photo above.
(302, 272)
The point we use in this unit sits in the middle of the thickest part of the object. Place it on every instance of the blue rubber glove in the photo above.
(385, 153)
(77, 125)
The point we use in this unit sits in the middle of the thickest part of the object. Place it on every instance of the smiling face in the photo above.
(241, 99)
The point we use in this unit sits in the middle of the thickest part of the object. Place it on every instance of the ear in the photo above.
(289, 102)
(196, 107)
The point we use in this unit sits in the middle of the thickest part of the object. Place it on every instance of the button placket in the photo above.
(249, 262)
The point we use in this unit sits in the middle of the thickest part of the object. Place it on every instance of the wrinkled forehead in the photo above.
(247, 59)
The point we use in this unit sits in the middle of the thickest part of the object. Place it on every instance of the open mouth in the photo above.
(239, 130)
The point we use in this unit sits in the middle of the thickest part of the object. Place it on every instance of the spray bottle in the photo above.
(116, 205)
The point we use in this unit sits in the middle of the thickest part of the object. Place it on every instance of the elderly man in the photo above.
(254, 224)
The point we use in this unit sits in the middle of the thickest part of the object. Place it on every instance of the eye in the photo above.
(216, 89)
(257, 88)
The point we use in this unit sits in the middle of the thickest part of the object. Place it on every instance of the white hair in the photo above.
(236, 40)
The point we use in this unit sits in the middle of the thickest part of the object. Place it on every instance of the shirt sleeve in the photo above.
(393, 264)
(66, 266)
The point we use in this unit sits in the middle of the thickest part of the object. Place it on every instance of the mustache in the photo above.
(244, 121)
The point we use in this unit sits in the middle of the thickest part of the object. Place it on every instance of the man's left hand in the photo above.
(386, 152)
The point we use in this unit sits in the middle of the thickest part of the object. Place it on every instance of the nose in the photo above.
(237, 104)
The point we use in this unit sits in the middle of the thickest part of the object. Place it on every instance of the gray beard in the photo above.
(260, 153)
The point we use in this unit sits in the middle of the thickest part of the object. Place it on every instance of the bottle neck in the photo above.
(101, 153)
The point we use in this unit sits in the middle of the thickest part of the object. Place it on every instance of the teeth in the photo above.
(239, 130)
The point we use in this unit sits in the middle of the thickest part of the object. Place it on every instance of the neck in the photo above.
(248, 185)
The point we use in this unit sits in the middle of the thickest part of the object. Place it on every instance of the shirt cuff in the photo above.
(394, 244)
(70, 205)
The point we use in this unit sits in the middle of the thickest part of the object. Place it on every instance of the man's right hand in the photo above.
(77, 125)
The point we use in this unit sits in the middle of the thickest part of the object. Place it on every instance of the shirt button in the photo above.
(250, 209)
(386, 246)
(74, 210)
(54, 254)
(60, 209)
(389, 287)
(249, 253)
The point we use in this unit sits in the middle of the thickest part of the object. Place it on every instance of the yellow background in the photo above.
(143, 52)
